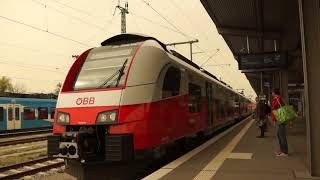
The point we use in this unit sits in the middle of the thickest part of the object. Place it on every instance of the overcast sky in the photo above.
(38, 37)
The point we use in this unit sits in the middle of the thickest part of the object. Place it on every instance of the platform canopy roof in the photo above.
(258, 26)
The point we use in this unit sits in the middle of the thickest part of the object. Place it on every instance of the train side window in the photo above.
(219, 108)
(29, 113)
(237, 101)
(194, 98)
(1, 114)
(52, 112)
(17, 113)
(171, 83)
(42, 113)
(10, 114)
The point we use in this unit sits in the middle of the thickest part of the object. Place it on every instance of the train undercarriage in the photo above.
(91, 144)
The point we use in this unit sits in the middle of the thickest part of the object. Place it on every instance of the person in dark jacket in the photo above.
(262, 110)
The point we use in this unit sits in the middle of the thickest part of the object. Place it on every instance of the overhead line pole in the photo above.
(185, 42)
(124, 11)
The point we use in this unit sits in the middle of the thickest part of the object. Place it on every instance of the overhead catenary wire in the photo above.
(227, 75)
(136, 24)
(71, 16)
(107, 30)
(154, 22)
(185, 35)
(35, 50)
(167, 27)
(45, 31)
(236, 83)
(163, 17)
(28, 64)
(73, 8)
(210, 58)
(14, 77)
(40, 3)
(88, 14)
(188, 19)
(169, 22)
(27, 78)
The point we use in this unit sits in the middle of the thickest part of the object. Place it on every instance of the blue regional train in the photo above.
(24, 113)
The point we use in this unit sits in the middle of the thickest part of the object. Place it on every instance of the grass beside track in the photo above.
(22, 157)
(7, 150)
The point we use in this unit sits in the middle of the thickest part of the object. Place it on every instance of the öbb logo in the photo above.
(85, 101)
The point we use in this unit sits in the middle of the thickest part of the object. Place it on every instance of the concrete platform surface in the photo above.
(240, 155)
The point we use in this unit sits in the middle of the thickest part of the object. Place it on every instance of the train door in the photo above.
(13, 117)
(17, 116)
(209, 104)
(10, 120)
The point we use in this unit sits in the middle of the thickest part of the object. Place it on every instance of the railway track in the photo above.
(21, 137)
(29, 168)
(22, 141)
(7, 134)
(24, 130)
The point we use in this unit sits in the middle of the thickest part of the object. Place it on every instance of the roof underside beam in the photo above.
(273, 35)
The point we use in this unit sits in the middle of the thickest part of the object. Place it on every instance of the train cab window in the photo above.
(43, 113)
(104, 67)
(1, 114)
(194, 98)
(29, 113)
(17, 113)
(171, 83)
(10, 114)
(52, 112)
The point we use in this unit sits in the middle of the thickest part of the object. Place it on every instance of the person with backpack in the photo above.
(277, 101)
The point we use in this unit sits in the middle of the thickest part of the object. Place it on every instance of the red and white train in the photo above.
(132, 95)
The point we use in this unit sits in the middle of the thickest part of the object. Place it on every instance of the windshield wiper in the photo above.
(114, 74)
(121, 71)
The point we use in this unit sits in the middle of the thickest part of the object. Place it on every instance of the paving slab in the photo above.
(252, 158)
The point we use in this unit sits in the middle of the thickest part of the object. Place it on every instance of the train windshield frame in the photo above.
(105, 67)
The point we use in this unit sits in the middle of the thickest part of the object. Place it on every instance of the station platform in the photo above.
(238, 154)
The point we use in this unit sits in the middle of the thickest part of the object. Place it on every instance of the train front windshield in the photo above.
(104, 67)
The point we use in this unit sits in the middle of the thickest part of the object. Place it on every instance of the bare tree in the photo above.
(5, 85)
(57, 89)
(19, 88)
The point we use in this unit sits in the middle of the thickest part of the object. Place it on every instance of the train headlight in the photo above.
(107, 117)
(63, 118)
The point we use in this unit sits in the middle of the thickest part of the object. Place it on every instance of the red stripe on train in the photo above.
(151, 124)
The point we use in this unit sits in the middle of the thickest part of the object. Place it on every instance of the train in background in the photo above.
(134, 96)
(19, 112)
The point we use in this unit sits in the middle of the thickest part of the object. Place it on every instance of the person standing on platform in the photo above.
(267, 111)
(262, 110)
(281, 128)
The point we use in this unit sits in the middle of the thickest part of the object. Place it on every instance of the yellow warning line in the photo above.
(240, 156)
(171, 166)
(216, 162)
